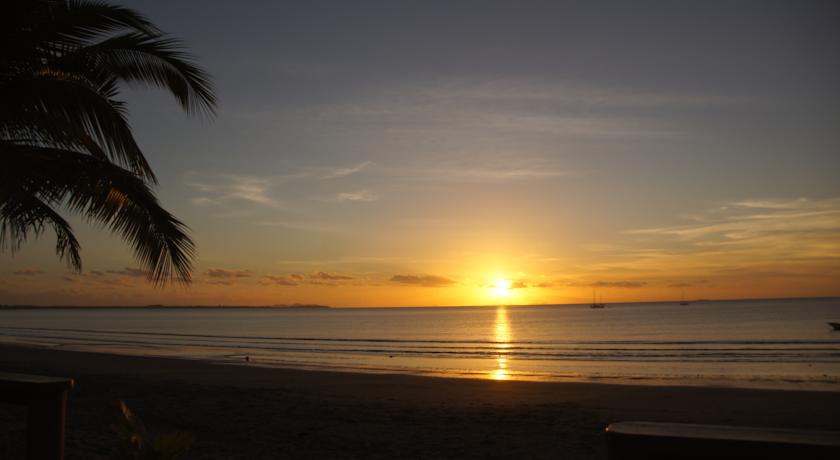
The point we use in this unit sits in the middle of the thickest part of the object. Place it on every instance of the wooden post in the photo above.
(46, 398)
(45, 427)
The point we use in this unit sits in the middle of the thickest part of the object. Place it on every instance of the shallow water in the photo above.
(766, 343)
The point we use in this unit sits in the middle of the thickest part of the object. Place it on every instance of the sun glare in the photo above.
(502, 338)
(501, 287)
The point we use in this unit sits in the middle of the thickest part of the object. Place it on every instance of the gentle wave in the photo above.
(380, 340)
(811, 351)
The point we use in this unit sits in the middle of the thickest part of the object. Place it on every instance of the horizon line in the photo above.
(320, 306)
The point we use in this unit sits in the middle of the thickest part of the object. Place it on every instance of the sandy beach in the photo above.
(254, 412)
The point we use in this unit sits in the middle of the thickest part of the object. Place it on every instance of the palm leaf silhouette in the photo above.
(65, 141)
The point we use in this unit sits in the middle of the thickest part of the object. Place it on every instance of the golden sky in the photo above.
(420, 155)
(740, 249)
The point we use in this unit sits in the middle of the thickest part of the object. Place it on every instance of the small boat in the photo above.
(594, 303)
(836, 326)
(682, 299)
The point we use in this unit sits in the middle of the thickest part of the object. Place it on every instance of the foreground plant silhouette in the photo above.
(64, 138)
(136, 443)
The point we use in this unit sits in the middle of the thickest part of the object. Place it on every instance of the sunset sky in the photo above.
(469, 153)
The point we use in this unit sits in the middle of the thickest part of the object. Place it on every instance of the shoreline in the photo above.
(258, 411)
(747, 382)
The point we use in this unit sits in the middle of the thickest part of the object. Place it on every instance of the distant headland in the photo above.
(294, 306)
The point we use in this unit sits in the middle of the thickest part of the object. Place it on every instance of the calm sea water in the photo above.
(745, 343)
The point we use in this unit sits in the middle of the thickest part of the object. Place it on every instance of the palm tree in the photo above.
(64, 138)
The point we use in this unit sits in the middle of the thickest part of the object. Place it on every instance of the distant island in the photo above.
(301, 306)
(293, 306)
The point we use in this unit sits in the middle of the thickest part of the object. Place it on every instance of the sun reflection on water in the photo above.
(502, 339)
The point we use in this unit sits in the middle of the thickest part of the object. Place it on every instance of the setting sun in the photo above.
(501, 288)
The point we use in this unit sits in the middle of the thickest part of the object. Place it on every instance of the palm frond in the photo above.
(157, 61)
(111, 196)
(77, 21)
(60, 103)
(67, 137)
(39, 29)
(64, 137)
(22, 214)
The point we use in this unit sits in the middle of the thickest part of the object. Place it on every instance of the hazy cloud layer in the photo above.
(423, 280)
(330, 276)
(316, 278)
(227, 273)
(686, 284)
(519, 106)
(127, 271)
(622, 284)
(619, 284)
(280, 280)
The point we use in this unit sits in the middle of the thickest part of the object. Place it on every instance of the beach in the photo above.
(246, 411)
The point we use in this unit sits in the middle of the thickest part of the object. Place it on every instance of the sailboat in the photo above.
(682, 299)
(594, 303)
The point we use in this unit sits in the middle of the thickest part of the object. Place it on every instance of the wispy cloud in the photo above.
(127, 271)
(799, 203)
(364, 196)
(117, 282)
(531, 90)
(317, 278)
(501, 107)
(330, 276)
(344, 172)
(762, 237)
(303, 226)
(227, 273)
(685, 284)
(220, 189)
(744, 221)
(507, 174)
(94, 275)
(221, 282)
(484, 168)
(423, 280)
(622, 284)
(279, 280)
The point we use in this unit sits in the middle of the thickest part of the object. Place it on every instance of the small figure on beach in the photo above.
(247, 358)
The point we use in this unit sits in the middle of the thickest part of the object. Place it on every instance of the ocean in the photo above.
(749, 343)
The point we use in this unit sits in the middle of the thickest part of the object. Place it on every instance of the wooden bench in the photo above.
(648, 440)
(46, 399)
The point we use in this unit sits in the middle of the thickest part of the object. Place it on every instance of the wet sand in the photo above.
(253, 412)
